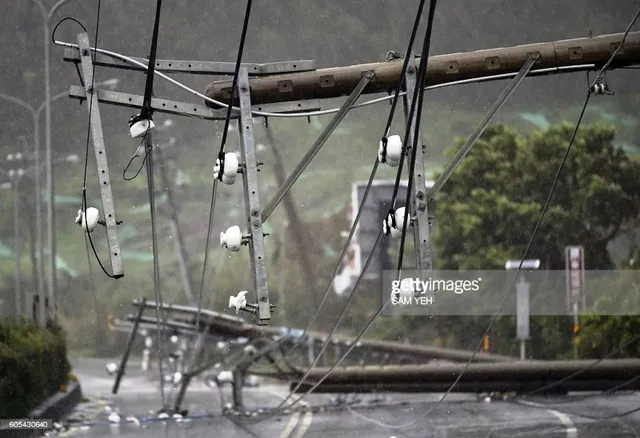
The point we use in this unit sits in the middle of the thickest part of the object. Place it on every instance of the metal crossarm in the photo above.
(108, 207)
(251, 189)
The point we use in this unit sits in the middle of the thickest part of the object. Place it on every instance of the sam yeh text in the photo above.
(421, 300)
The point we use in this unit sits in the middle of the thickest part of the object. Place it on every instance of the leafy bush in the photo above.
(33, 365)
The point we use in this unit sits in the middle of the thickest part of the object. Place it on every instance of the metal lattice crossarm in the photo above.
(579, 53)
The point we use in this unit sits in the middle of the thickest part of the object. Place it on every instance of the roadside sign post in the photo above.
(574, 256)
(523, 302)
(523, 316)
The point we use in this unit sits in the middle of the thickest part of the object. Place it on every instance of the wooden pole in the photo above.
(592, 52)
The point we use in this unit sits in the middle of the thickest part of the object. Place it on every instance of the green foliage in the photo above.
(601, 336)
(494, 200)
(606, 334)
(497, 193)
(33, 365)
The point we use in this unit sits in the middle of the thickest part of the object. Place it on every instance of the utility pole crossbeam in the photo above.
(251, 190)
(196, 67)
(108, 208)
(418, 214)
(192, 110)
(579, 54)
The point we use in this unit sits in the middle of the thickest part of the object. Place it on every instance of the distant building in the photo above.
(374, 212)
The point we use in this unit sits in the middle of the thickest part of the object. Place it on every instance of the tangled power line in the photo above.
(598, 86)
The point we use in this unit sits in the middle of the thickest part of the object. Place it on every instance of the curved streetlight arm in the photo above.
(47, 16)
(43, 9)
(19, 102)
(43, 105)
(55, 7)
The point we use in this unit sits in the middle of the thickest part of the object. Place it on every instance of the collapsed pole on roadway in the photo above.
(477, 386)
(225, 325)
(579, 54)
(523, 371)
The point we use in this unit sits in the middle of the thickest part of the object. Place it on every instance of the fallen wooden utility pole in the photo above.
(554, 57)
(476, 386)
(589, 370)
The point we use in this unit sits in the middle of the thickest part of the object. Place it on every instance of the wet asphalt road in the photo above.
(458, 416)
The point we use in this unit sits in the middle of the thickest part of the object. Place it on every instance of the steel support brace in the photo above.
(127, 351)
(484, 123)
(418, 214)
(315, 148)
(251, 190)
(236, 388)
(108, 208)
(191, 369)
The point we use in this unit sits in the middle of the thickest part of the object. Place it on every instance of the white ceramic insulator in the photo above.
(230, 171)
(407, 288)
(141, 127)
(111, 368)
(225, 377)
(231, 239)
(89, 220)
(394, 150)
(238, 301)
(396, 233)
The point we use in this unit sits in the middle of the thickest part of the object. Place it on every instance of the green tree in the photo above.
(489, 207)
(497, 193)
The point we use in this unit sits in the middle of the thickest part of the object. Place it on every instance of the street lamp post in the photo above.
(36, 141)
(35, 115)
(523, 302)
(46, 17)
(15, 175)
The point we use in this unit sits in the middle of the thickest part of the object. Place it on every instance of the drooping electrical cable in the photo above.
(86, 236)
(146, 114)
(326, 343)
(93, 284)
(84, 202)
(533, 235)
(372, 176)
(214, 190)
(503, 300)
(410, 119)
(552, 385)
(479, 346)
(416, 143)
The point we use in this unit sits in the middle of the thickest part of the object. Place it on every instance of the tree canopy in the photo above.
(487, 213)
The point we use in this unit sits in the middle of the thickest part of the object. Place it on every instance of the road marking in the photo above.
(307, 419)
(571, 430)
(291, 425)
(305, 424)
(293, 421)
(570, 427)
